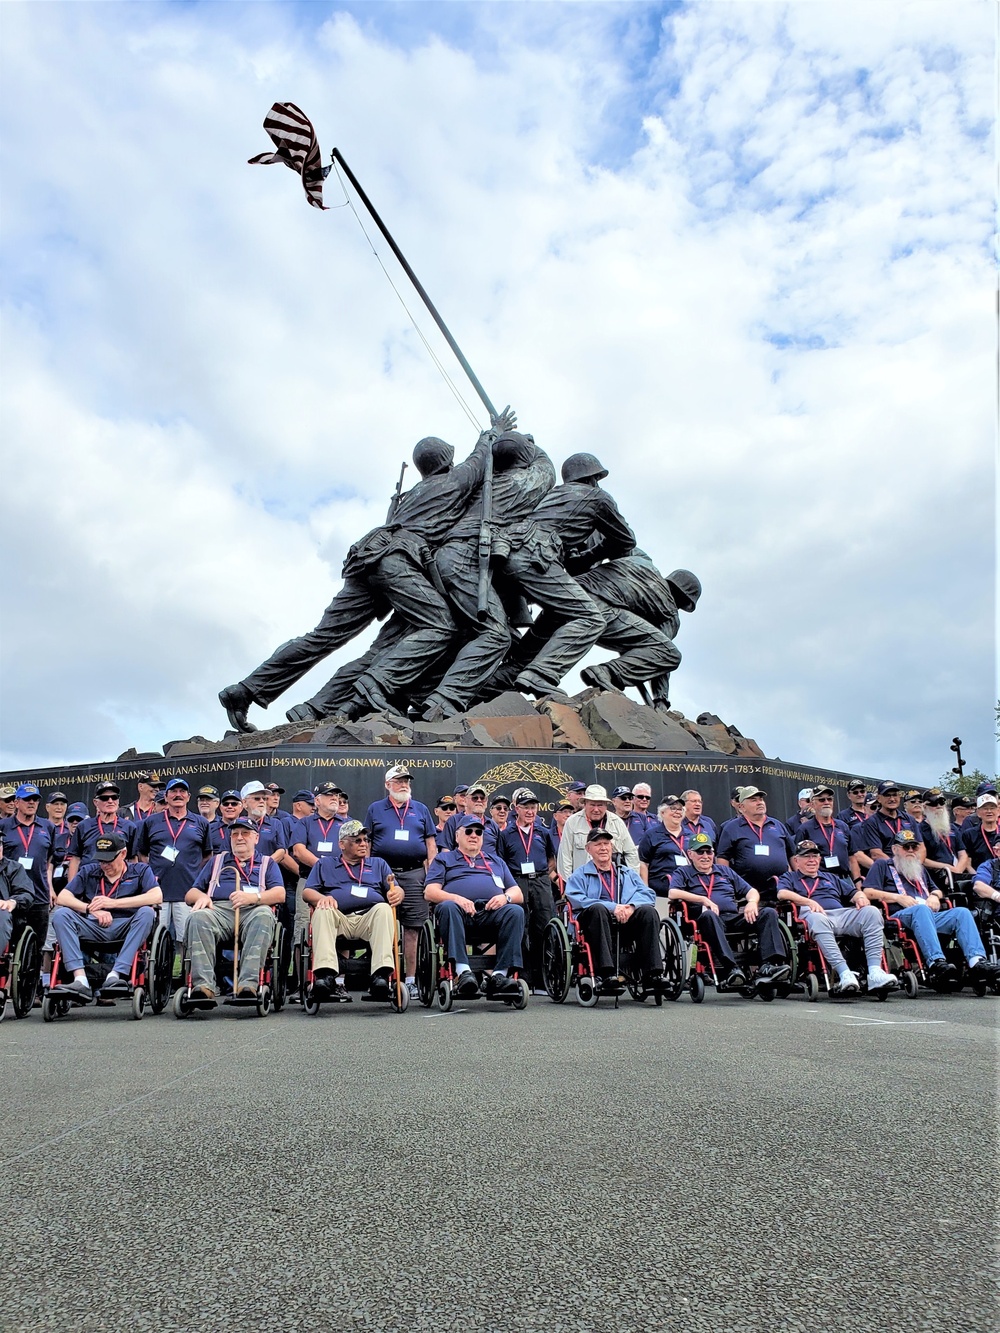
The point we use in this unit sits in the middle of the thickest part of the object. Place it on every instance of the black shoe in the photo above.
(500, 986)
(371, 691)
(773, 974)
(735, 979)
(379, 988)
(340, 993)
(302, 713)
(611, 984)
(323, 984)
(236, 699)
(599, 677)
(942, 972)
(467, 987)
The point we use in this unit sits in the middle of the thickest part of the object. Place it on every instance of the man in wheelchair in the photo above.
(352, 896)
(108, 902)
(234, 880)
(831, 906)
(613, 906)
(727, 905)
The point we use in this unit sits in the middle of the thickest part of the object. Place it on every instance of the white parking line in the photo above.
(894, 1022)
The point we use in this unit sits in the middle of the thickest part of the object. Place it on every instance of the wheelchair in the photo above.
(702, 971)
(435, 975)
(567, 962)
(271, 983)
(815, 974)
(146, 986)
(355, 967)
(902, 949)
(19, 969)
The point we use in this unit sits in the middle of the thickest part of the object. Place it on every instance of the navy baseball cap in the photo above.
(986, 787)
(209, 791)
(886, 786)
(242, 822)
(470, 821)
(907, 838)
(27, 792)
(461, 789)
(111, 788)
(577, 786)
(77, 811)
(806, 848)
(327, 789)
(54, 796)
(177, 782)
(232, 796)
(621, 792)
(599, 835)
(303, 796)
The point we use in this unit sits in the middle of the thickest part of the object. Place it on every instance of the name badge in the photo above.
(169, 853)
(498, 881)
(527, 867)
(324, 846)
(831, 862)
(402, 835)
(681, 861)
(25, 862)
(359, 891)
(762, 849)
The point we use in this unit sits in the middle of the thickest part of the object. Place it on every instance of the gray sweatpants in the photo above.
(862, 922)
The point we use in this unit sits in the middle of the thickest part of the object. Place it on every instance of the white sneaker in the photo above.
(848, 984)
(879, 980)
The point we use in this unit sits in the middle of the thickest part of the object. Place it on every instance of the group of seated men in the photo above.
(491, 872)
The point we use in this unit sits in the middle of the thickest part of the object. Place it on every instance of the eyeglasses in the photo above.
(230, 805)
(938, 800)
(641, 798)
(107, 798)
(449, 805)
(700, 851)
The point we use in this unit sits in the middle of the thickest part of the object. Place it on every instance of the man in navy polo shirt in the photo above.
(29, 841)
(612, 903)
(560, 814)
(175, 844)
(107, 820)
(56, 806)
(108, 902)
(17, 901)
(145, 803)
(830, 837)
(475, 804)
(803, 813)
(831, 906)
(230, 809)
(943, 846)
(529, 852)
(404, 835)
(855, 811)
(641, 820)
(476, 899)
(757, 848)
(903, 885)
(873, 840)
(352, 895)
(662, 849)
(982, 840)
(270, 833)
(573, 797)
(315, 836)
(694, 820)
(726, 905)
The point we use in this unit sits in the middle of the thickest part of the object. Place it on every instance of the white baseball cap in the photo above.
(251, 789)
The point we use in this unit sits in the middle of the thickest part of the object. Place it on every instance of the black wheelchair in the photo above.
(435, 975)
(146, 986)
(355, 967)
(271, 981)
(19, 968)
(702, 971)
(567, 961)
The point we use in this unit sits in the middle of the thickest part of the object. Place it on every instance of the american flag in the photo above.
(297, 146)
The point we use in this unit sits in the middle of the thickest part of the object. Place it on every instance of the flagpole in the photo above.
(338, 157)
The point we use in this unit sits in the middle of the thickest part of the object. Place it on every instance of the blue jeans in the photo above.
(504, 927)
(926, 926)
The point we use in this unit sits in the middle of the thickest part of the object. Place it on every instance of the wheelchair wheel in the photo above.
(279, 976)
(522, 995)
(24, 973)
(557, 961)
(911, 984)
(696, 984)
(810, 983)
(48, 1009)
(675, 958)
(443, 995)
(586, 992)
(792, 950)
(138, 1002)
(161, 969)
(180, 1005)
(310, 1006)
(427, 964)
(399, 997)
(265, 999)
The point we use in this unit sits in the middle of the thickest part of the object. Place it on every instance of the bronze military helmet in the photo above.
(580, 467)
(431, 456)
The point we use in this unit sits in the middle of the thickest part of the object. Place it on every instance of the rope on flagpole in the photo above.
(456, 393)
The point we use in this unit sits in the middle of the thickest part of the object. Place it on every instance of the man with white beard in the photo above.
(901, 882)
(944, 849)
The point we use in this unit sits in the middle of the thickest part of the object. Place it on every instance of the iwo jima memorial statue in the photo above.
(493, 578)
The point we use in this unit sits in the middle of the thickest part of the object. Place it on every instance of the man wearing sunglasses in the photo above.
(443, 810)
(106, 820)
(230, 809)
(874, 839)
(476, 900)
(855, 811)
(944, 846)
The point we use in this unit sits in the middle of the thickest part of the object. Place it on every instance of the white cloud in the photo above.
(770, 315)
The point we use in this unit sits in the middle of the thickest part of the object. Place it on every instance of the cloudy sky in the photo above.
(741, 251)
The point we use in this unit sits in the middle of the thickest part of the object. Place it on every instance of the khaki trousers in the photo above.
(374, 926)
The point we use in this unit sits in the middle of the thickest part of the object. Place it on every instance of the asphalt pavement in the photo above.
(730, 1166)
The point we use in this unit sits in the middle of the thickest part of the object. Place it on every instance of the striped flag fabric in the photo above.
(297, 146)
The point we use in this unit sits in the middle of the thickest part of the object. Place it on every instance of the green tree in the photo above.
(966, 784)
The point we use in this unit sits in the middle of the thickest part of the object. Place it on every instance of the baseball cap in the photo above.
(963, 802)
(886, 786)
(477, 790)
(524, 796)
(822, 791)
(906, 838)
(745, 793)
(855, 784)
(397, 771)
(461, 789)
(805, 793)
(273, 787)
(351, 828)
(671, 800)
(231, 796)
(913, 795)
(500, 799)
(209, 791)
(6, 793)
(301, 796)
(594, 793)
(987, 786)
(564, 805)
(27, 791)
(599, 835)
(251, 789)
(177, 782)
(323, 789)
(241, 821)
(620, 792)
(698, 842)
(56, 796)
(107, 788)
(145, 777)
(987, 798)
(108, 847)
(577, 786)
(77, 811)
(470, 821)
(931, 794)
(806, 848)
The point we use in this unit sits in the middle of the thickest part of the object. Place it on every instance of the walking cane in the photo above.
(395, 950)
(236, 949)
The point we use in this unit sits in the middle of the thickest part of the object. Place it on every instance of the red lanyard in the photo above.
(100, 824)
(709, 886)
(141, 814)
(833, 836)
(170, 828)
(406, 811)
(895, 826)
(678, 843)
(26, 845)
(472, 864)
(526, 843)
(112, 892)
(348, 869)
(610, 890)
(993, 850)
(760, 834)
(809, 892)
(245, 875)
(325, 831)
